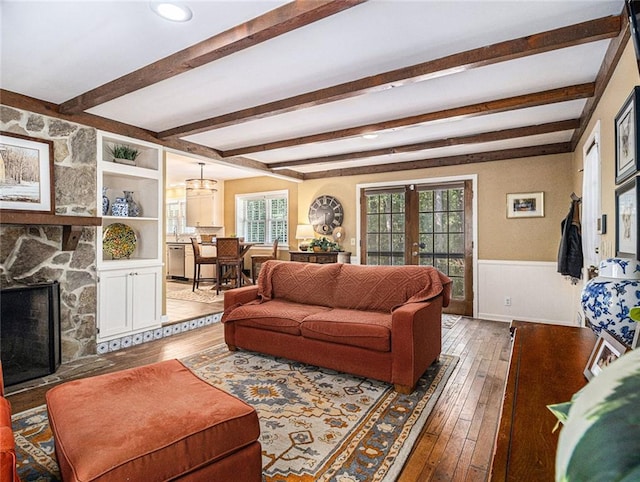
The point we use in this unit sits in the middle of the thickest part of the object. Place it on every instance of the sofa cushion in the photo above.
(275, 315)
(366, 329)
(306, 283)
(383, 288)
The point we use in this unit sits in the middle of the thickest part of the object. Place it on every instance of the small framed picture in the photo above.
(627, 219)
(606, 350)
(627, 149)
(26, 173)
(525, 205)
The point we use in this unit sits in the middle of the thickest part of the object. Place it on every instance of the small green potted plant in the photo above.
(124, 154)
(323, 244)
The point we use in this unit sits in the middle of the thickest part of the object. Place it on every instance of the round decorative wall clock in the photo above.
(325, 214)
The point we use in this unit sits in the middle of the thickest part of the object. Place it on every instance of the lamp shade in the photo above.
(201, 184)
(304, 231)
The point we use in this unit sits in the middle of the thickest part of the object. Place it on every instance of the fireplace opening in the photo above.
(29, 331)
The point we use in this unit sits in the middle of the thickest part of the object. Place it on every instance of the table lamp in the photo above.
(304, 232)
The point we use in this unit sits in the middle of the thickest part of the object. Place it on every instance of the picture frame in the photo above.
(525, 205)
(26, 174)
(627, 120)
(627, 245)
(606, 350)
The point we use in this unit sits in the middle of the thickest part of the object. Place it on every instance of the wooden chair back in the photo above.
(228, 248)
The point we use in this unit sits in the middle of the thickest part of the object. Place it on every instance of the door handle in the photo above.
(419, 245)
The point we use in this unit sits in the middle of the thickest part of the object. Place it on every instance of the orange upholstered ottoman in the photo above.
(153, 423)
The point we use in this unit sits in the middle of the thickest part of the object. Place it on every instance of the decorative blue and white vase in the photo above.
(607, 298)
(120, 207)
(134, 208)
(105, 201)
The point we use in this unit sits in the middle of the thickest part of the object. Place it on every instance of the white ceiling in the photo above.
(55, 51)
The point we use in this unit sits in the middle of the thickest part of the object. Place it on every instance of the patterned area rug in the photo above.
(201, 295)
(315, 424)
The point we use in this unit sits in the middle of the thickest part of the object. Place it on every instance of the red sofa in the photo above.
(7, 443)
(381, 322)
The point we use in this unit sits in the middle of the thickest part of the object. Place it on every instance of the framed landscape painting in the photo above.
(525, 205)
(26, 173)
(627, 219)
(627, 148)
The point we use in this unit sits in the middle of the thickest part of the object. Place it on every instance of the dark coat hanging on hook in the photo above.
(570, 257)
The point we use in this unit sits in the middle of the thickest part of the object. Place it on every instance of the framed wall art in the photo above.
(26, 173)
(606, 350)
(627, 148)
(627, 220)
(525, 205)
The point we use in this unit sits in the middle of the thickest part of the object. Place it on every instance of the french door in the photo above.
(422, 224)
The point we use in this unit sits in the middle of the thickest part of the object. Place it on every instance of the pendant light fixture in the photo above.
(201, 184)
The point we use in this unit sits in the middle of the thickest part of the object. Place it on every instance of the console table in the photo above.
(320, 257)
(546, 366)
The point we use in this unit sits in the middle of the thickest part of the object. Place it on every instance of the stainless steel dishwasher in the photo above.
(175, 261)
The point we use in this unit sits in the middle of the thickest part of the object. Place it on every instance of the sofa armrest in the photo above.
(416, 340)
(240, 296)
(7, 444)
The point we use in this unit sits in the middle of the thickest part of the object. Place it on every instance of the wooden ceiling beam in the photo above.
(505, 154)
(276, 22)
(23, 102)
(609, 63)
(546, 97)
(590, 31)
(483, 137)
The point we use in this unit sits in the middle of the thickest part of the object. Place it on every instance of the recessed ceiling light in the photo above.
(370, 136)
(176, 12)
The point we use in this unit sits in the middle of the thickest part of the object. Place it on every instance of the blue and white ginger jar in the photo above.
(607, 298)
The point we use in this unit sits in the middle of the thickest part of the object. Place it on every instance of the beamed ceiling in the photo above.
(291, 88)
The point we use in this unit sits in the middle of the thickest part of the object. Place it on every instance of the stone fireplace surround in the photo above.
(33, 254)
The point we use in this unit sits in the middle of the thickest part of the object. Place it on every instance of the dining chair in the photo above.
(258, 259)
(229, 260)
(198, 261)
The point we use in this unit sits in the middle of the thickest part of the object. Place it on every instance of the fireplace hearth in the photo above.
(29, 331)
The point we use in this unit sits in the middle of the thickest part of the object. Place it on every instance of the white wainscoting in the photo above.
(536, 290)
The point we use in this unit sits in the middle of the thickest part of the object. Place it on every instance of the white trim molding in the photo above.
(527, 291)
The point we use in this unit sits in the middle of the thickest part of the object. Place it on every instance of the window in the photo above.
(177, 218)
(263, 217)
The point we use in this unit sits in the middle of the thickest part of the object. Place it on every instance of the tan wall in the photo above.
(533, 239)
(624, 78)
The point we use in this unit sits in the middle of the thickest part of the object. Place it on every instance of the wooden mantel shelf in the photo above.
(71, 225)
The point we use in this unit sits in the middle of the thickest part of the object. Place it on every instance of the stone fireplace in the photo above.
(31, 254)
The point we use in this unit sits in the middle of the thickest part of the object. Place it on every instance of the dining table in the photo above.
(244, 248)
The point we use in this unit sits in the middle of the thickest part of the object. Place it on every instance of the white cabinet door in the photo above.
(113, 298)
(129, 301)
(200, 209)
(145, 298)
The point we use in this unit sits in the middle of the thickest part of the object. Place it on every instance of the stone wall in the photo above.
(32, 254)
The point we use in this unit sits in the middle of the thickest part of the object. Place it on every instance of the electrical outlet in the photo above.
(507, 301)
(353, 241)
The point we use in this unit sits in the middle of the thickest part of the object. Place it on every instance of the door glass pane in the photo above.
(385, 227)
(441, 225)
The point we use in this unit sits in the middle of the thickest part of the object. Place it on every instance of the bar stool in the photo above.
(198, 261)
(228, 256)
(258, 259)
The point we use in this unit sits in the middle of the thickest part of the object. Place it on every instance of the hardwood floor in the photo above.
(456, 443)
(178, 310)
